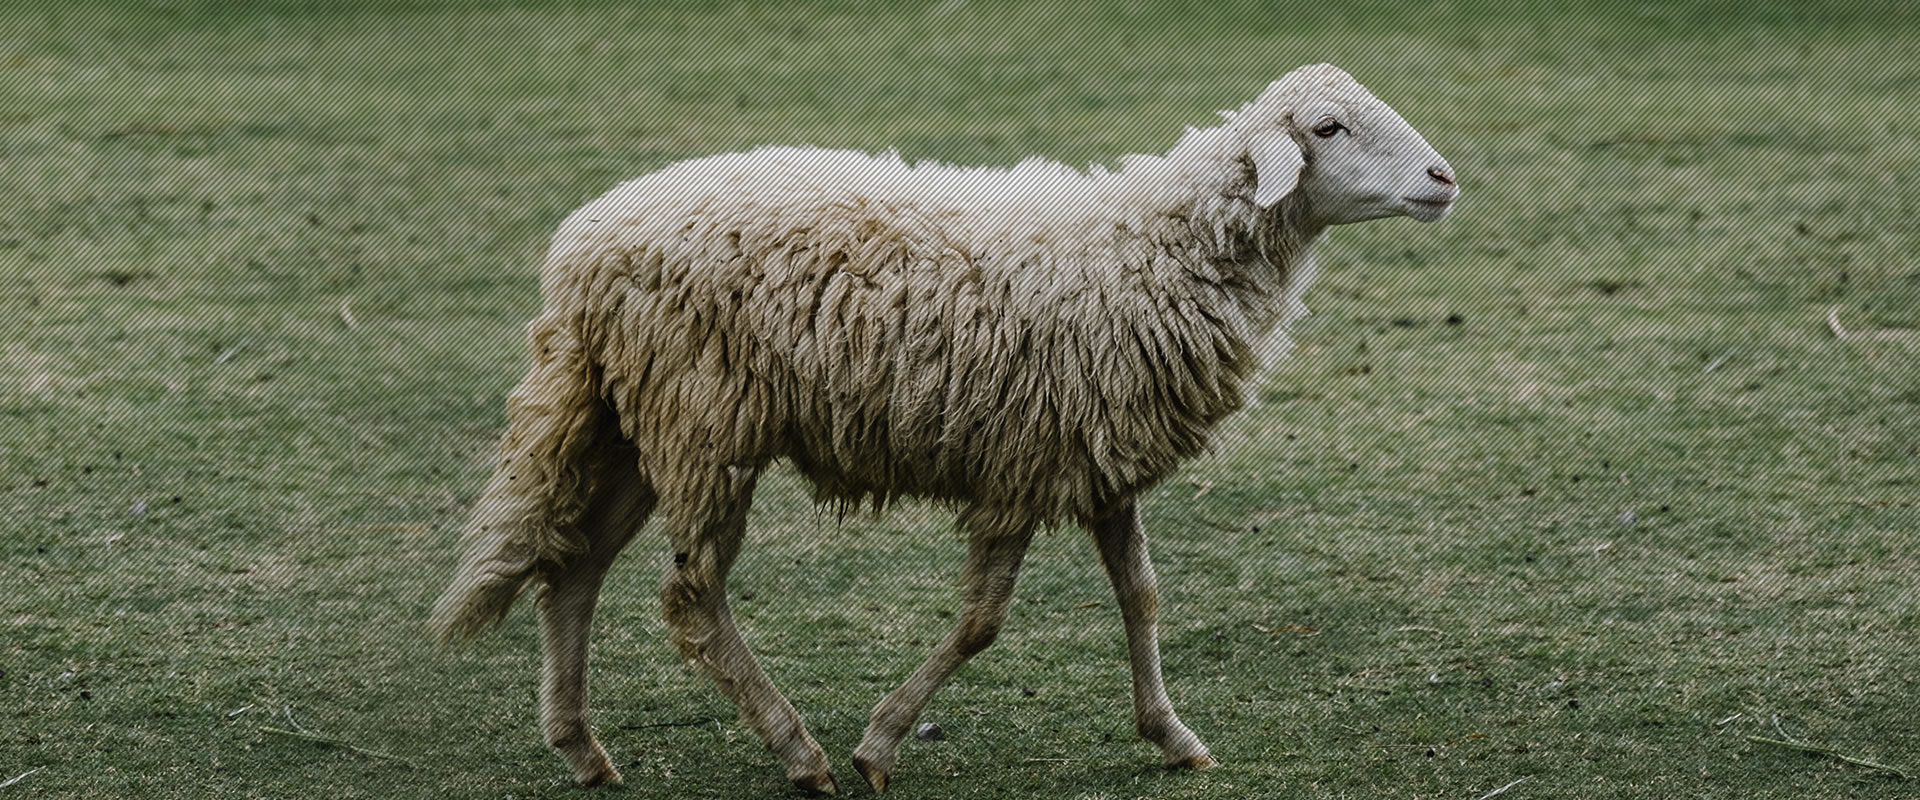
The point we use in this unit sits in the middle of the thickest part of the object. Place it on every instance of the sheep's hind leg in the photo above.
(993, 565)
(566, 601)
(693, 596)
(1123, 550)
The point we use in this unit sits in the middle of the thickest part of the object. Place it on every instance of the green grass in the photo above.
(1577, 487)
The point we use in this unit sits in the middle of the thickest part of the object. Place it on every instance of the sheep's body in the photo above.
(894, 332)
(1035, 345)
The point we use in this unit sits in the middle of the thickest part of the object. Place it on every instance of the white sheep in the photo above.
(1033, 345)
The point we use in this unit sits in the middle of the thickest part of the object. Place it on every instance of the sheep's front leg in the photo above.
(1123, 550)
(566, 601)
(993, 565)
(693, 597)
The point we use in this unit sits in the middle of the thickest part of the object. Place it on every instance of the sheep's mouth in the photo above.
(1426, 209)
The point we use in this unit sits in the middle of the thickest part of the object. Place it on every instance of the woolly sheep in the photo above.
(1033, 345)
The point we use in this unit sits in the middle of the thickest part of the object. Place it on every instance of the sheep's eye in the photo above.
(1327, 129)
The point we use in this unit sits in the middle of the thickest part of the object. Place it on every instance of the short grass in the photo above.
(1579, 488)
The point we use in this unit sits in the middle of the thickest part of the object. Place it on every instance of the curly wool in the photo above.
(898, 330)
(1033, 342)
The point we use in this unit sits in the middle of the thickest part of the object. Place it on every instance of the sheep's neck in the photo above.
(1266, 265)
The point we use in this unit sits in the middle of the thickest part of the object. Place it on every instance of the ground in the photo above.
(1592, 487)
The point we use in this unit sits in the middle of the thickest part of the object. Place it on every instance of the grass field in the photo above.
(1582, 488)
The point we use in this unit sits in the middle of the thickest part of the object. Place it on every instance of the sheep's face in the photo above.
(1351, 157)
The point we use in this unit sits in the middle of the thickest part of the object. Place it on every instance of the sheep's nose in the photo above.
(1441, 175)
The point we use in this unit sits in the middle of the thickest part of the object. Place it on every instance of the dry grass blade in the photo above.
(1841, 333)
(1501, 790)
(20, 777)
(1830, 753)
(340, 743)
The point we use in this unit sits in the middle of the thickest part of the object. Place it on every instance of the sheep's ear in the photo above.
(1276, 167)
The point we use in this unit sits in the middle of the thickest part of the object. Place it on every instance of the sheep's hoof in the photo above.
(876, 777)
(821, 784)
(1201, 760)
(600, 777)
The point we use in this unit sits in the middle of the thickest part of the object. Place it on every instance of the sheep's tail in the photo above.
(528, 518)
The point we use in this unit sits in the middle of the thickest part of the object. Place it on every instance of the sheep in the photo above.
(1032, 346)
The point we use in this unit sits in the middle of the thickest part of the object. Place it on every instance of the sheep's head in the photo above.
(1318, 134)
